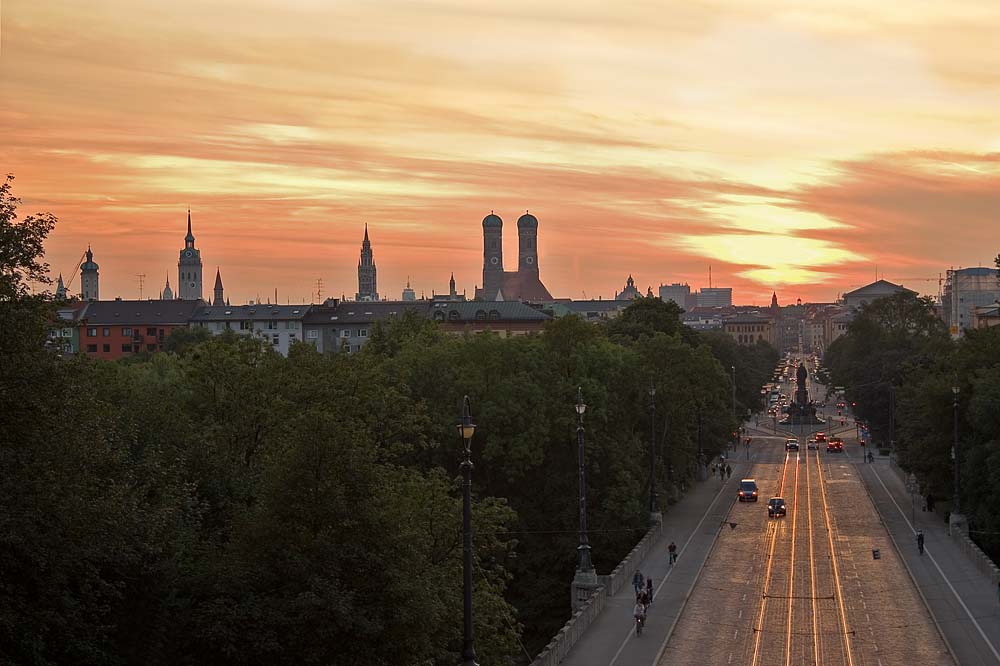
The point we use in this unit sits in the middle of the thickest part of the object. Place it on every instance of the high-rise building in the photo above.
(189, 268)
(89, 278)
(408, 293)
(676, 292)
(715, 297)
(964, 290)
(367, 285)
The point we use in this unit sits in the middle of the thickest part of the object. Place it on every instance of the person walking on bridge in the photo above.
(672, 549)
(729, 471)
(920, 541)
(637, 582)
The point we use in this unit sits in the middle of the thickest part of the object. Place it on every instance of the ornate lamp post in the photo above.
(585, 564)
(653, 509)
(465, 431)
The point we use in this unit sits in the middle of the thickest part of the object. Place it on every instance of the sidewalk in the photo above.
(961, 598)
(692, 524)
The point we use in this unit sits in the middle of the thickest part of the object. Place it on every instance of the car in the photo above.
(821, 437)
(812, 445)
(791, 444)
(748, 490)
(776, 507)
(835, 445)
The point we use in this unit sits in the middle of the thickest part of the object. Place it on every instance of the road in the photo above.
(805, 589)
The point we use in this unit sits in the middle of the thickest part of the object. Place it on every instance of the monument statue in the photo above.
(802, 411)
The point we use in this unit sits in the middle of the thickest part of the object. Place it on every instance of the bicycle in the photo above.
(640, 620)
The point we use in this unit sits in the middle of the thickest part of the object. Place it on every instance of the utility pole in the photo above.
(141, 276)
(319, 290)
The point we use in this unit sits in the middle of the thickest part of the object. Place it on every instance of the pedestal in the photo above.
(584, 584)
(957, 524)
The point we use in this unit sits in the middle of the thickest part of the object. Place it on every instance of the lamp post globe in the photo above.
(466, 428)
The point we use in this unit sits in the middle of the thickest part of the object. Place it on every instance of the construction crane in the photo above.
(76, 271)
(939, 279)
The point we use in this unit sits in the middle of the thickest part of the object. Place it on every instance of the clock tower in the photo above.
(189, 269)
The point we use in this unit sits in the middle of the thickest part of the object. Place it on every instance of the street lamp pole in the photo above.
(652, 450)
(733, 368)
(465, 431)
(954, 452)
(585, 564)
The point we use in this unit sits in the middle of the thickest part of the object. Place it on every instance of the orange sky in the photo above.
(791, 144)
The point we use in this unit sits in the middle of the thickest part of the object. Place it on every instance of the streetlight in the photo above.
(733, 368)
(957, 509)
(465, 431)
(652, 450)
(585, 564)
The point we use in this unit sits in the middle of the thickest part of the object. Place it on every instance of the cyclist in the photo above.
(920, 541)
(639, 613)
(672, 549)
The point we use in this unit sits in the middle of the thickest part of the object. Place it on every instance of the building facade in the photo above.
(871, 292)
(715, 297)
(281, 326)
(189, 268)
(749, 329)
(676, 292)
(114, 329)
(367, 278)
(966, 289)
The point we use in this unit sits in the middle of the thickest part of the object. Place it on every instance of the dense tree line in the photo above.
(898, 362)
(221, 504)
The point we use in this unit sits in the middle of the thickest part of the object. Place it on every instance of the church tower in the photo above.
(168, 293)
(527, 244)
(219, 298)
(367, 285)
(189, 268)
(60, 288)
(492, 256)
(89, 278)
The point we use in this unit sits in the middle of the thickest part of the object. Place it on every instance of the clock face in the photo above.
(529, 260)
(191, 284)
(494, 260)
(188, 253)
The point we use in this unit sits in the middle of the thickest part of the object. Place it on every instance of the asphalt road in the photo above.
(805, 589)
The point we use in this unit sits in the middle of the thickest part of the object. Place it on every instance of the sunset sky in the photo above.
(793, 145)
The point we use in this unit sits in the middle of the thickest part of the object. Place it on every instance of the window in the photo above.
(107, 349)
(480, 315)
(92, 333)
(438, 316)
(494, 314)
(106, 332)
(246, 325)
(272, 325)
(92, 349)
(229, 325)
(345, 333)
(276, 340)
(291, 336)
(127, 348)
(313, 334)
(127, 332)
(151, 331)
(363, 333)
(453, 315)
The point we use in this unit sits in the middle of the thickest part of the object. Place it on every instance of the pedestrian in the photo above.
(649, 591)
(713, 471)
(729, 472)
(920, 541)
(672, 549)
(637, 580)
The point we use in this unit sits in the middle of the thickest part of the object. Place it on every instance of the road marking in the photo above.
(836, 571)
(758, 629)
(936, 566)
(791, 568)
(663, 582)
(812, 564)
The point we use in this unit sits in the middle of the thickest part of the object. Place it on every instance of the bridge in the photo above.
(838, 580)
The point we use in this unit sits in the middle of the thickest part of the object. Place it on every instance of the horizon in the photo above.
(793, 147)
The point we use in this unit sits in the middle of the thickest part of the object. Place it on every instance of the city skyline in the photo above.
(790, 146)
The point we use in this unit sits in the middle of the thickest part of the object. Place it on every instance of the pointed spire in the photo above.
(218, 278)
(366, 232)
(190, 235)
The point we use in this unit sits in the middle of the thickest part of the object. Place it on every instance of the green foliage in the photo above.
(222, 504)
(898, 345)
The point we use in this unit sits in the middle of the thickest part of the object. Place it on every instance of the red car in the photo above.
(821, 437)
(835, 445)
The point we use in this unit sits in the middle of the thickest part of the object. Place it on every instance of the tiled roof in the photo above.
(505, 311)
(139, 312)
(359, 312)
(258, 311)
(877, 287)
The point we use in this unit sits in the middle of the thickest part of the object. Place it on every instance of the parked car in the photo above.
(776, 507)
(791, 444)
(748, 490)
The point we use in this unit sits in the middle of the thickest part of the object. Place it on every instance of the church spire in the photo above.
(451, 287)
(168, 293)
(219, 295)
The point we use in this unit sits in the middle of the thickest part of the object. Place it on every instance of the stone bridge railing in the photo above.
(577, 625)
